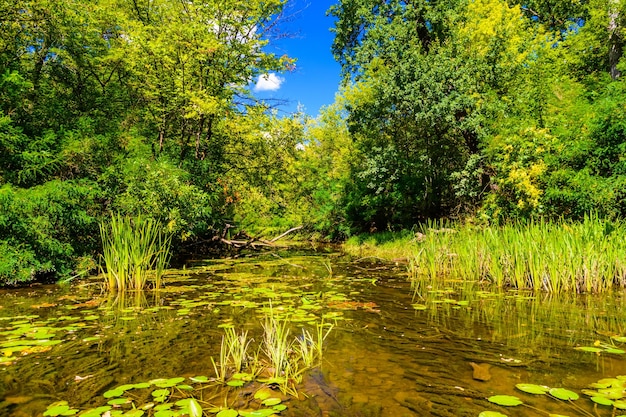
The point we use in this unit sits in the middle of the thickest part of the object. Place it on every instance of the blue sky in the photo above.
(316, 77)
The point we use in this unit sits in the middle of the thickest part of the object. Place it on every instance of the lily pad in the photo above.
(563, 394)
(602, 401)
(505, 400)
(532, 388)
(491, 414)
(112, 393)
(228, 413)
(271, 401)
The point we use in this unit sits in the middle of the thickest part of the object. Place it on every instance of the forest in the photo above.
(487, 111)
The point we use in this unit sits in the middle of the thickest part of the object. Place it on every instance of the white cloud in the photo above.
(269, 82)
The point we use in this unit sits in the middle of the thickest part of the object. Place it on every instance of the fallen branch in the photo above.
(254, 242)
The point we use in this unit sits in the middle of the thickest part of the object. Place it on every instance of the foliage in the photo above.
(46, 229)
(133, 249)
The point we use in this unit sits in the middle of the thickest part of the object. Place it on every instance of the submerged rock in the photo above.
(481, 371)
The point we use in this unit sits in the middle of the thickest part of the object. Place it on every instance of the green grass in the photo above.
(134, 250)
(583, 257)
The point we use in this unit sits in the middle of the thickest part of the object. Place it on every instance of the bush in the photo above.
(46, 229)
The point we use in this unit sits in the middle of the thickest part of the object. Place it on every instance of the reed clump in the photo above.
(583, 257)
(280, 357)
(134, 250)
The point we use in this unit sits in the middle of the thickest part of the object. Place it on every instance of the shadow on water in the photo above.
(398, 349)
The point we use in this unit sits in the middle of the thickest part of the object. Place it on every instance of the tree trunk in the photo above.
(615, 39)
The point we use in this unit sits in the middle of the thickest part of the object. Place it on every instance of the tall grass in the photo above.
(134, 249)
(584, 257)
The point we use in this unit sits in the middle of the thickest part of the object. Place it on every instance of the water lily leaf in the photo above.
(602, 400)
(228, 413)
(243, 376)
(59, 410)
(532, 388)
(563, 394)
(279, 407)
(491, 414)
(184, 387)
(165, 406)
(263, 394)
(201, 378)
(126, 387)
(419, 306)
(195, 410)
(614, 393)
(271, 401)
(118, 401)
(141, 385)
(615, 350)
(620, 404)
(236, 383)
(112, 393)
(160, 395)
(134, 413)
(505, 400)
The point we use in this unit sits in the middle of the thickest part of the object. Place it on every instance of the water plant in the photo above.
(276, 342)
(584, 257)
(133, 250)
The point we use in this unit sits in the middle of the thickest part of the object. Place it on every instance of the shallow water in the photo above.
(396, 349)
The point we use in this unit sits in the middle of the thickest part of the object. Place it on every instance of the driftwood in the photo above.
(251, 242)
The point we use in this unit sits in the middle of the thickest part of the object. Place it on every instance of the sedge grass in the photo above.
(285, 358)
(555, 256)
(585, 257)
(134, 249)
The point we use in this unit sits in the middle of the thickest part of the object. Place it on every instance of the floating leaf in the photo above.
(532, 388)
(263, 394)
(118, 401)
(112, 393)
(602, 400)
(195, 410)
(491, 414)
(236, 383)
(271, 401)
(505, 400)
(620, 404)
(201, 378)
(279, 407)
(228, 413)
(563, 394)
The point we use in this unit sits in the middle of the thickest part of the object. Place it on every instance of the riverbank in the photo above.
(583, 257)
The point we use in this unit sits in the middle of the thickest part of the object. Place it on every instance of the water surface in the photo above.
(397, 349)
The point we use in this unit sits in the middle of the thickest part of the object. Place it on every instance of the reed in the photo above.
(133, 250)
(585, 257)
(276, 343)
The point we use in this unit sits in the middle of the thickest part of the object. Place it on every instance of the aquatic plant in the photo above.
(276, 342)
(584, 257)
(134, 249)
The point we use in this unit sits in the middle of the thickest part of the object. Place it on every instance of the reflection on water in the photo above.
(397, 349)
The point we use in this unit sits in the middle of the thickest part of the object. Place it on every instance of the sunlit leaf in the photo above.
(505, 400)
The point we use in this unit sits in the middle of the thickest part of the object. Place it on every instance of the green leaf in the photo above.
(563, 394)
(228, 413)
(602, 400)
(505, 400)
(271, 401)
(491, 414)
(532, 388)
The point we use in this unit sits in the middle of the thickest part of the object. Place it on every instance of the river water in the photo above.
(397, 348)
